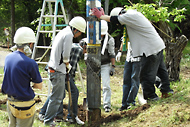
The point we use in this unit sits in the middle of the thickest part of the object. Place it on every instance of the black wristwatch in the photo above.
(113, 65)
(119, 50)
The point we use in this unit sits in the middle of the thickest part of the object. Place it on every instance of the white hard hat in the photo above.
(79, 23)
(84, 40)
(24, 35)
(104, 27)
(115, 11)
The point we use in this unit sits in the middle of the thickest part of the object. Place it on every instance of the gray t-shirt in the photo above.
(61, 48)
(142, 35)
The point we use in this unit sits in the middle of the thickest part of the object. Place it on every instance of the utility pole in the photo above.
(93, 62)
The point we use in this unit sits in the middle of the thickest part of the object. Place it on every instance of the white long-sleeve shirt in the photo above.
(61, 48)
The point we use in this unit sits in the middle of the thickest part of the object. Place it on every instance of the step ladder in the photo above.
(53, 17)
(48, 15)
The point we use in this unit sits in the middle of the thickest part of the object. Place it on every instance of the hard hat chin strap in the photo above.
(76, 32)
(21, 45)
(73, 30)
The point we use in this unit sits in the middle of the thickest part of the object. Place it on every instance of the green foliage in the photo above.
(172, 4)
(156, 14)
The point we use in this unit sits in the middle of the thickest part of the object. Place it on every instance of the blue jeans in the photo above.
(150, 67)
(74, 94)
(131, 82)
(56, 97)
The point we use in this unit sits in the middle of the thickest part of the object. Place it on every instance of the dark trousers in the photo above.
(150, 67)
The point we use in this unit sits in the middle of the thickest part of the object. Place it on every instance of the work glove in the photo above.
(68, 68)
(112, 71)
(118, 56)
(85, 56)
(97, 12)
(102, 10)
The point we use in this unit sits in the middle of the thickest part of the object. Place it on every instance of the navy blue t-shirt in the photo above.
(19, 71)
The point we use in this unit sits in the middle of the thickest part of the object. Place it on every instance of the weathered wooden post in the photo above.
(93, 63)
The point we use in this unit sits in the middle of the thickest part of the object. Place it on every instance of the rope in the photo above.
(163, 32)
(130, 2)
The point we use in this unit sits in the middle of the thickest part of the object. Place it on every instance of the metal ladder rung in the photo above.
(50, 0)
(60, 25)
(43, 47)
(41, 94)
(58, 30)
(42, 63)
(52, 16)
(46, 25)
(45, 79)
(45, 31)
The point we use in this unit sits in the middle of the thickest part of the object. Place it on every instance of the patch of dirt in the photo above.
(104, 119)
(185, 72)
(131, 114)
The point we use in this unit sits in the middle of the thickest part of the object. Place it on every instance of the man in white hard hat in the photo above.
(107, 64)
(76, 53)
(19, 71)
(146, 43)
(58, 65)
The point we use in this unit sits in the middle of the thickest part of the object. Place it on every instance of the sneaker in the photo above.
(41, 117)
(124, 107)
(69, 120)
(107, 109)
(52, 124)
(167, 94)
(58, 119)
(79, 121)
(154, 99)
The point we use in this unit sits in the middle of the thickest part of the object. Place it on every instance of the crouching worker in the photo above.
(19, 71)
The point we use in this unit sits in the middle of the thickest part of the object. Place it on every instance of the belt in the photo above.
(51, 70)
(11, 98)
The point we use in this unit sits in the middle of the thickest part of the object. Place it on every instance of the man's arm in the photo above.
(37, 85)
(105, 17)
(121, 47)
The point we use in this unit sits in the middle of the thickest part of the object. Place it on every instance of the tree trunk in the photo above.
(12, 20)
(174, 48)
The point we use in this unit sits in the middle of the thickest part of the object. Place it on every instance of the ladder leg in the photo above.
(39, 27)
(63, 10)
(80, 76)
(50, 11)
